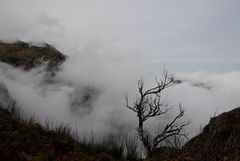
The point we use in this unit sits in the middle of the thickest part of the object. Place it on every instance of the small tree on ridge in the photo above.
(148, 104)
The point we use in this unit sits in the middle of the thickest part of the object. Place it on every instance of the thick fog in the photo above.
(112, 44)
(94, 100)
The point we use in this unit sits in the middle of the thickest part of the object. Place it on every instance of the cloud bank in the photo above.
(94, 101)
(112, 44)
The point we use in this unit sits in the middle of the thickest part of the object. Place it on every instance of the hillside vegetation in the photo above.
(22, 140)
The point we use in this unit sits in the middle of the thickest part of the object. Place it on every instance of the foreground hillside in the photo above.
(218, 141)
(28, 141)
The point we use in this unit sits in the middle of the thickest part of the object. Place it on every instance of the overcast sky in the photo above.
(184, 35)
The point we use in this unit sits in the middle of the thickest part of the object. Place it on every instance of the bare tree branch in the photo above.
(148, 104)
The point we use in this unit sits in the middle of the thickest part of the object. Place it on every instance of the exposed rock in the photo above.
(21, 54)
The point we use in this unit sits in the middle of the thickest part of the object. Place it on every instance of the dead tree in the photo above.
(148, 104)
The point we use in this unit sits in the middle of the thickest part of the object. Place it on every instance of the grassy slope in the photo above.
(28, 141)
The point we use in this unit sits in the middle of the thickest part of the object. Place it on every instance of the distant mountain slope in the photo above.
(25, 55)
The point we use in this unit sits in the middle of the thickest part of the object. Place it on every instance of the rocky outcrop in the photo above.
(27, 56)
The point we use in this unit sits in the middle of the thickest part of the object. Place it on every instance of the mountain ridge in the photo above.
(27, 56)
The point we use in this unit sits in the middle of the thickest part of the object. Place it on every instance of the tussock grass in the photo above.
(27, 140)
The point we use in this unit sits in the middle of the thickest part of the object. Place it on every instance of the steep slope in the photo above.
(21, 54)
(28, 141)
(218, 141)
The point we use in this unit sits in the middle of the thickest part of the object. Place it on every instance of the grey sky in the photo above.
(183, 35)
